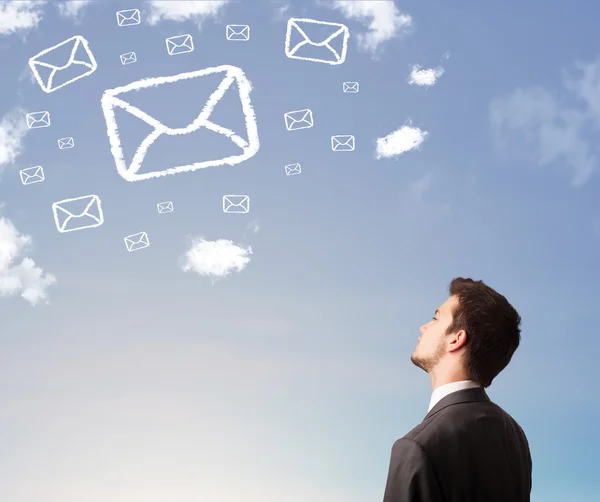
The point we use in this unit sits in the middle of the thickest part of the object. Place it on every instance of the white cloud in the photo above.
(419, 187)
(384, 20)
(24, 278)
(424, 76)
(72, 8)
(253, 226)
(186, 10)
(215, 258)
(402, 140)
(554, 129)
(20, 15)
(12, 131)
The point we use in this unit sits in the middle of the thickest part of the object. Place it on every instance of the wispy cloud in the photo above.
(555, 130)
(424, 76)
(402, 140)
(215, 259)
(383, 18)
(253, 226)
(184, 10)
(280, 7)
(20, 15)
(24, 278)
(12, 131)
(72, 9)
(420, 186)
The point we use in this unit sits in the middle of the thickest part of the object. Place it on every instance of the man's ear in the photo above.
(459, 340)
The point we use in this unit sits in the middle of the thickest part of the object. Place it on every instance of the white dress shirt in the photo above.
(443, 390)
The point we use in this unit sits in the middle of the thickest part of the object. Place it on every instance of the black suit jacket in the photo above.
(467, 449)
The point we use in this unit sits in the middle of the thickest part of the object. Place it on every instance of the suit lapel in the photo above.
(460, 396)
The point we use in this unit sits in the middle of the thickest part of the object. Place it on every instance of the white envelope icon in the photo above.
(32, 175)
(232, 75)
(165, 207)
(332, 47)
(293, 169)
(342, 143)
(298, 119)
(236, 204)
(350, 87)
(128, 58)
(136, 241)
(239, 32)
(78, 213)
(81, 63)
(66, 143)
(129, 17)
(35, 120)
(181, 44)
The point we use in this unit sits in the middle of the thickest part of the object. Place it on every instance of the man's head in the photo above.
(472, 336)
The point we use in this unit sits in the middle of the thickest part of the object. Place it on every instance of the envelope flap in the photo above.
(59, 56)
(81, 207)
(314, 32)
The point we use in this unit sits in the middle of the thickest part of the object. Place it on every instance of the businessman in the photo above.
(467, 449)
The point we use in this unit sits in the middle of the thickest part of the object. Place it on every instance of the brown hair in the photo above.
(492, 326)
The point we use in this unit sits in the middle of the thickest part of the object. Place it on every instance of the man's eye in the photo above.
(434, 318)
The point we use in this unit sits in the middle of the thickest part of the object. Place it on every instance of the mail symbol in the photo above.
(32, 175)
(240, 32)
(165, 207)
(136, 241)
(129, 17)
(342, 143)
(350, 87)
(78, 213)
(81, 63)
(66, 143)
(330, 51)
(128, 58)
(293, 169)
(236, 204)
(233, 80)
(181, 44)
(298, 119)
(35, 120)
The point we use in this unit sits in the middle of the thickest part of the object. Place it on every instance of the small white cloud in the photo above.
(12, 131)
(253, 226)
(419, 187)
(383, 18)
(424, 76)
(20, 15)
(184, 10)
(24, 278)
(215, 258)
(72, 8)
(402, 140)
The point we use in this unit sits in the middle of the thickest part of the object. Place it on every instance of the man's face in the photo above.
(431, 347)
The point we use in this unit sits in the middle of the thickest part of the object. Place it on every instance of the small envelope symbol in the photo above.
(165, 207)
(66, 143)
(128, 58)
(342, 143)
(233, 80)
(332, 47)
(298, 119)
(292, 169)
(35, 120)
(239, 32)
(236, 203)
(129, 17)
(181, 44)
(32, 175)
(78, 213)
(136, 241)
(81, 63)
(350, 87)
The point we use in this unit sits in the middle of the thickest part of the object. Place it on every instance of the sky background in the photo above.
(131, 380)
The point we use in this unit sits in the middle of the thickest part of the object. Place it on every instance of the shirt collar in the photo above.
(443, 390)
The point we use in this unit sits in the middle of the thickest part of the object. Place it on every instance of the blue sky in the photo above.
(124, 377)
